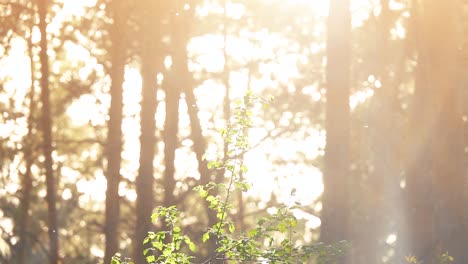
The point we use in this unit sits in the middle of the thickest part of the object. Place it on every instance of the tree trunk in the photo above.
(436, 181)
(418, 159)
(25, 220)
(46, 126)
(199, 142)
(336, 176)
(145, 179)
(450, 227)
(170, 134)
(382, 183)
(114, 137)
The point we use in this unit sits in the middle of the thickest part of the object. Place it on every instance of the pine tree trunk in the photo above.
(418, 172)
(335, 213)
(382, 183)
(199, 147)
(25, 219)
(145, 179)
(450, 228)
(46, 125)
(114, 136)
(170, 141)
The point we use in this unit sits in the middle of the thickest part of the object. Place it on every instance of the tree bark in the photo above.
(199, 141)
(436, 180)
(450, 229)
(336, 178)
(383, 182)
(114, 134)
(170, 140)
(46, 126)
(418, 172)
(25, 219)
(145, 179)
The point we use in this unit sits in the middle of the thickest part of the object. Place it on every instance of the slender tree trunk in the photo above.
(382, 130)
(24, 241)
(199, 147)
(418, 180)
(418, 172)
(336, 177)
(199, 142)
(145, 179)
(114, 136)
(170, 131)
(46, 121)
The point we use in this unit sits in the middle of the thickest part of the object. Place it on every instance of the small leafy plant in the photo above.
(445, 258)
(269, 242)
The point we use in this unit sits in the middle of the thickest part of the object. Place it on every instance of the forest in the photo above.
(233, 131)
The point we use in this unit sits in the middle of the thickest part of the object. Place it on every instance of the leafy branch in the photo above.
(269, 242)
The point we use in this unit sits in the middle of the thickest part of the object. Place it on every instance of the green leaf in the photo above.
(243, 168)
(238, 102)
(191, 246)
(167, 252)
(203, 193)
(150, 259)
(232, 228)
(205, 237)
(293, 222)
(282, 227)
(154, 217)
(223, 132)
(158, 245)
(252, 233)
(211, 165)
(115, 260)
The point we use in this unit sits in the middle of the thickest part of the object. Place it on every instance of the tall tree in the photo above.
(187, 85)
(172, 90)
(150, 41)
(336, 176)
(450, 229)
(118, 49)
(46, 125)
(27, 180)
(418, 171)
(382, 182)
(435, 178)
(170, 142)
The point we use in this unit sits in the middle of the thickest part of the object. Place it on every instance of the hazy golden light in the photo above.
(207, 55)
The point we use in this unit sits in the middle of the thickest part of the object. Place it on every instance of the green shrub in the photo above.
(269, 242)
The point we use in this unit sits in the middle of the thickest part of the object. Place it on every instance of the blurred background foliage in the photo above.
(137, 92)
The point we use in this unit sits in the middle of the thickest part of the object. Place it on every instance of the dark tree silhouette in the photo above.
(118, 57)
(150, 41)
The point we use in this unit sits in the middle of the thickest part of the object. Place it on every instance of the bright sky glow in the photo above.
(208, 53)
